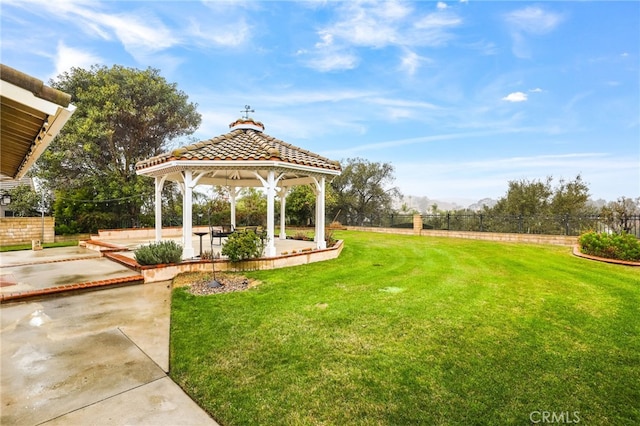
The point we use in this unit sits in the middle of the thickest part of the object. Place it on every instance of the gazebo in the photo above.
(244, 157)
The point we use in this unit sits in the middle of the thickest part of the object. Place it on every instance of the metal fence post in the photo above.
(520, 224)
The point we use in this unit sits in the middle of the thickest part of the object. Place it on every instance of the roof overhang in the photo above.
(239, 173)
(32, 115)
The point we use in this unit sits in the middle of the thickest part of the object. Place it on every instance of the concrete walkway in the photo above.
(28, 273)
(96, 358)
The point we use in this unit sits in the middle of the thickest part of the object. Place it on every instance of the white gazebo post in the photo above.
(159, 184)
(319, 191)
(270, 250)
(187, 206)
(283, 204)
(233, 193)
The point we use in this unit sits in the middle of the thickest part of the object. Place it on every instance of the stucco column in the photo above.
(187, 219)
(270, 249)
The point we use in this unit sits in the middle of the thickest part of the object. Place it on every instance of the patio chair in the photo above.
(220, 231)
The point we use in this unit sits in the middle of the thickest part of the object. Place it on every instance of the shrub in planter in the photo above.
(243, 246)
(158, 253)
(329, 238)
(209, 255)
(612, 246)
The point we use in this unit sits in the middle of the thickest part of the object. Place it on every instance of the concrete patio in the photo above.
(92, 358)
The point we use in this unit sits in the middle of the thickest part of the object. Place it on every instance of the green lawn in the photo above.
(44, 245)
(411, 330)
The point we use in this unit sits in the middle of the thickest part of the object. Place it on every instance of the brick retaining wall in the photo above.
(22, 230)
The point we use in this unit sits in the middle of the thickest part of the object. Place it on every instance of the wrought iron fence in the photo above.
(549, 224)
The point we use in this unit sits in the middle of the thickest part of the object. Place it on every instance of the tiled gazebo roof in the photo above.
(245, 142)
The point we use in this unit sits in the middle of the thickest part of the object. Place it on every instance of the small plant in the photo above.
(242, 246)
(329, 238)
(158, 253)
(301, 235)
(209, 255)
(611, 246)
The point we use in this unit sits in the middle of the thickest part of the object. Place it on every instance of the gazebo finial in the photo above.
(247, 109)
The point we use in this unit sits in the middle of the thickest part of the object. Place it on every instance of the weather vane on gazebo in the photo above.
(247, 109)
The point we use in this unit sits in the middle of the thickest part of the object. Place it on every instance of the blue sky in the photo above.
(461, 97)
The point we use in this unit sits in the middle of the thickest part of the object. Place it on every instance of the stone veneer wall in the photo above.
(22, 230)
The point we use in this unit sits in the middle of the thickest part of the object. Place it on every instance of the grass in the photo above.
(413, 330)
(44, 245)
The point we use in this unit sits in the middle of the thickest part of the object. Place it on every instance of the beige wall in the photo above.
(22, 230)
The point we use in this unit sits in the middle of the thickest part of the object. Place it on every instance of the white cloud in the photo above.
(402, 103)
(536, 90)
(67, 57)
(410, 62)
(333, 61)
(141, 31)
(441, 5)
(531, 20)
(515, 97)
(378, 25)
(229, 34)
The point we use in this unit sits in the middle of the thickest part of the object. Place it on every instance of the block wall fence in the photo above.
(22, 230)
(562, 240)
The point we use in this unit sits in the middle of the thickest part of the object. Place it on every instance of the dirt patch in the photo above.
(198, 283)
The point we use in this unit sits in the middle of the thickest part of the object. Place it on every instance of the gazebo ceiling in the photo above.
(234, 159)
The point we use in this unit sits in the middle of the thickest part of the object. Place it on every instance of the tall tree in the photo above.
(537, 197)
(252, 207)
(621, 214)
(300, 205)
(363, 190)
(123, 115)
(570, 198)
(525, 198)
(25, 201)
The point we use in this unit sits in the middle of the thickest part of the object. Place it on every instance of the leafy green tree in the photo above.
(300, 206)
(25, 201)
(619, 214)
(537, 197)
(570, 198)
(525, 198)
(363, 192)
(123, 115)
(251, 207)
(535, 206)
